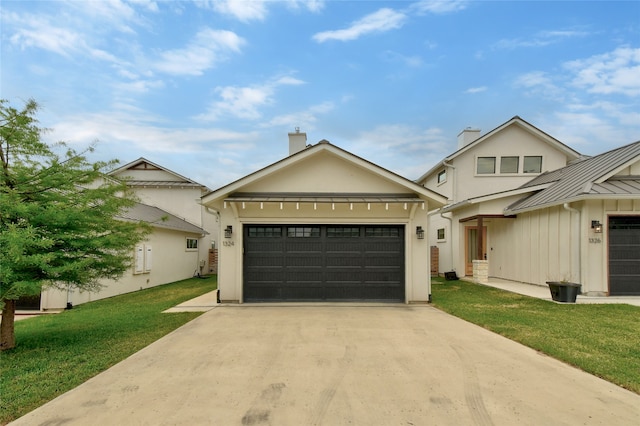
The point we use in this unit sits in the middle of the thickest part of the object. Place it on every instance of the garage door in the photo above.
(317, 263)
(624, 256)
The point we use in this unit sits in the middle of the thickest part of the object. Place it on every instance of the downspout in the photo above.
(450, 238)
(577, 263)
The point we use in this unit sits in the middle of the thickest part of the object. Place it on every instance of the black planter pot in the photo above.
(564, 292)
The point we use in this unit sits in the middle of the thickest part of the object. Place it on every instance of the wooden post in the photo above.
(480, 254)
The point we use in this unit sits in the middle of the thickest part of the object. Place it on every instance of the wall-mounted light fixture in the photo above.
(420, 232)
(228, 231)
(596, 226)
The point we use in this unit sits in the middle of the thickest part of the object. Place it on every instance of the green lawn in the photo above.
(603, 340)
(56, 353)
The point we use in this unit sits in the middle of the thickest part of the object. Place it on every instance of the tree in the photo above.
(59, 221)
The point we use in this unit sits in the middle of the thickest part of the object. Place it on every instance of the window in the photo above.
(303, 231)
(440, 234)
(442, 176)
(265, 231)
(343, 232)
(192, 243)
(486, 165)
(509, 164)
(381, 232)
(532, 164)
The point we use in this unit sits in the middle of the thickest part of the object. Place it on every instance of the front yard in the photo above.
(56, 353)
(603, 340)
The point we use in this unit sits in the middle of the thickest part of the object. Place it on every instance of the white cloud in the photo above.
(380, 21)
(609, 73)
(540, 39)
(305, 120)
(439, 6)
(311, 5)
(409, 147)
(245, 102)
(539, 83)
(409, 61)
(140, 132)
(208, 48)
(243, 10)
(476, 89)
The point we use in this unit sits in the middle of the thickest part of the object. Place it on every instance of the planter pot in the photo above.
(564, 292)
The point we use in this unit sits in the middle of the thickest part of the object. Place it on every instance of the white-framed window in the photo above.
(486, 165)
(509, 164)
(441, 234)
(442, 176)
(532, 164)
(192, 244)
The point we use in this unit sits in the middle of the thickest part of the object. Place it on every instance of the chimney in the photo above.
(297, 141)
(467, 136)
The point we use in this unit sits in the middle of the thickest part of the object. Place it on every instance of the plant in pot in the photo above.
(563, 290)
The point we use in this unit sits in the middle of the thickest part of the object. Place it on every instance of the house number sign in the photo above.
(595, 240)
(227, 243)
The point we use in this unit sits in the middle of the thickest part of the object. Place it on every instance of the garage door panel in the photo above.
(624, 255)
(325, 263)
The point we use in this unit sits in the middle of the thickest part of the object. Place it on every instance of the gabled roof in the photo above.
(311, 151)
(143, 163)
(514, 121)
(159, 218)
(593, 177)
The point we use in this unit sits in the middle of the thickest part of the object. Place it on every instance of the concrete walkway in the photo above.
(542, 292)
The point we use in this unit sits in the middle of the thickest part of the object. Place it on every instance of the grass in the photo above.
(56, 353)
(603, 340)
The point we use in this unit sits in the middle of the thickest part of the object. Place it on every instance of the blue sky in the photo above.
(210, 89)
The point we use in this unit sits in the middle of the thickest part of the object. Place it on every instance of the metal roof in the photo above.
(323, 198)
(592, 177)
(159, 218)
(162, 183)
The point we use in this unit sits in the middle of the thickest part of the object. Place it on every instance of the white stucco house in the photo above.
(500, 160)
(323, 225)
(178, 248)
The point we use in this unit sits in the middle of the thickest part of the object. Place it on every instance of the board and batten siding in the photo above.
(536, 247)
(554, 244)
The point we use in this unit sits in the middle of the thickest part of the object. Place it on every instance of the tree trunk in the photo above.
(7, 331)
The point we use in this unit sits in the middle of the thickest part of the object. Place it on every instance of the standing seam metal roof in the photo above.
(580, 179)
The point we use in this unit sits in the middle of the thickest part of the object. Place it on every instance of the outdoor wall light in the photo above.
(596, 226)
(420, 232)
(228, 231)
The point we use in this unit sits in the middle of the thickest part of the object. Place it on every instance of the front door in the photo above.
(471, 247)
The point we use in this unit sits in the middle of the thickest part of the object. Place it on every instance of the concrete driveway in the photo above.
(338, 365)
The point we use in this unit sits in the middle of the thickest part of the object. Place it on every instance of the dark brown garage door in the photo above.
(315, 263)
(624, 255)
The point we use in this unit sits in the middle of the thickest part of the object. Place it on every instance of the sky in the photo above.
(210, 89)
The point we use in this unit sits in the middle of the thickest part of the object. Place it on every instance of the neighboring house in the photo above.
(323, 225)
(160, 187)
(166, 256)
(183, 236)
(579, 223)
(500, 160)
